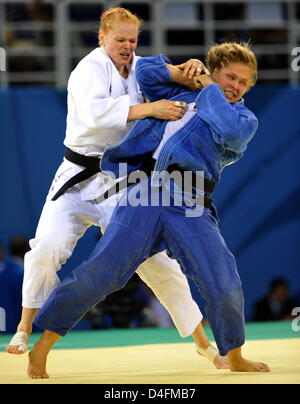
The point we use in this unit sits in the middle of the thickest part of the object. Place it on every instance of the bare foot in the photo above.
(221, 362)
(244, 365)
(15, 350)
(212, 354)
(19, 343)
(37, 363)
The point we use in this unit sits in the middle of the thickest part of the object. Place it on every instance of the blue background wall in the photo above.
(258, 199)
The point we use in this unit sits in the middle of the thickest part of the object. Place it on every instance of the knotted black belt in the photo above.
(92, 166)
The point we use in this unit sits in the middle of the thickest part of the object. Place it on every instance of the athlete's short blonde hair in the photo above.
(221, 55)
(112, 16)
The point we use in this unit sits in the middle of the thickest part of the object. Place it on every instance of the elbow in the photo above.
(97, 122)
(142, 65)
(144, 78)
(237, 136)
(238, 141)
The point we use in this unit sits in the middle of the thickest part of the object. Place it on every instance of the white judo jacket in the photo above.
(98, 105)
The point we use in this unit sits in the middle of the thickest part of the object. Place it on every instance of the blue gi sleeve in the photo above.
(232, 125)
(155, 79)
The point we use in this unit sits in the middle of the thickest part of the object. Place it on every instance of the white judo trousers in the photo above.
(63, 222)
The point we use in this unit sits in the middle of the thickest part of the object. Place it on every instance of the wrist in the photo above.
(139, 111)
(177, 75)
(185, 80)
(205, 80)
(150, 111)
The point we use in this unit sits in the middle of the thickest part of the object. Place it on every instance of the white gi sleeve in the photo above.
(89, 88)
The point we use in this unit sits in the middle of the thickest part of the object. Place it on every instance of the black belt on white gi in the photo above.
(92, 166)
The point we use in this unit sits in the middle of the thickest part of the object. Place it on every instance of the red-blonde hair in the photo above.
(114, 15)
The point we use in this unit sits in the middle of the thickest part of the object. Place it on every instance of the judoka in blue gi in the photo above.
(213, 133)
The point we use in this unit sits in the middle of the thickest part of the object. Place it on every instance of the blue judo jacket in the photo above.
(216, 136)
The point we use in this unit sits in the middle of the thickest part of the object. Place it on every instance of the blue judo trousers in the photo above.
(133, 234)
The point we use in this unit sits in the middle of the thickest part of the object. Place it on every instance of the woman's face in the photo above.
(234, 79)
(120, 43)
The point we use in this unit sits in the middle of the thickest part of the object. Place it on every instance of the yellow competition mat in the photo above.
(175, 363)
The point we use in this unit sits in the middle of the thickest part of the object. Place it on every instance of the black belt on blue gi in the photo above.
(92, 166)
(147, 168)
(209, 186)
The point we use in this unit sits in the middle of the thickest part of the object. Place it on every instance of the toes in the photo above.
(14, 349)
(36, 372)
(32, 375)
(265, 367)
(10, 349)
(262, 367)
(19, 352)
(38, 376)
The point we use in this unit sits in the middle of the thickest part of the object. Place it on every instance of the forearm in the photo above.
(162, 109)
(139, 111)
(178, 77)
(154, 78)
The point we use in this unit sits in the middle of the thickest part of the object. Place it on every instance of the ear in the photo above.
(249, 88)
(213, 74)
(101, 37)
